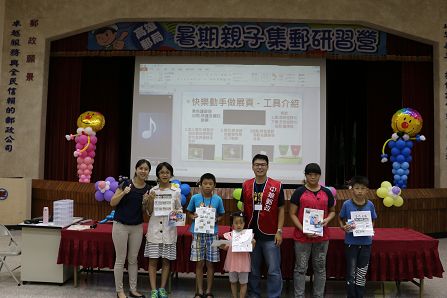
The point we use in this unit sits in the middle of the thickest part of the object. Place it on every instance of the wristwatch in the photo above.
(279, 231)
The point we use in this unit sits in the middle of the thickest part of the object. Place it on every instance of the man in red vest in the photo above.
(263, 200)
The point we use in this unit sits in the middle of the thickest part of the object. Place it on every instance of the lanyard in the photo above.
(203, 201)
(258, 195)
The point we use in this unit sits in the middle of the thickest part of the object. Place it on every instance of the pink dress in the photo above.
(236, 261)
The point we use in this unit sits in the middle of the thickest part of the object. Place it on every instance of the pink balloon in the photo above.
(85, 180)
(80, 172)
(87, 172)
(82, 166)
(79, 146)
(93, 140)
(101, 184)
(88, 160)
(82, 177)
(90, 167)
(80, 160)
(91, 154)
(83, 139)
(333, 191)
(84, 154)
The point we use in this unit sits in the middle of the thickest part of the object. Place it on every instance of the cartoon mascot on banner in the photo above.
(406, 124)
(88, 124)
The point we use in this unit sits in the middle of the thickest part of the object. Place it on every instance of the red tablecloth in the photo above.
(397, 254)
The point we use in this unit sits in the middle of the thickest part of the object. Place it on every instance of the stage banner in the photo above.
(285, 38)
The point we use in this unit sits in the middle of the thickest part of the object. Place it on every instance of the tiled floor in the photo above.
(101, 284)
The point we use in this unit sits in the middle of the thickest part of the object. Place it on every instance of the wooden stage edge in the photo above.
(424, 210)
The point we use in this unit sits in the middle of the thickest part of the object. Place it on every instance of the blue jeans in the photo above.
(268, 251)
(357, 262)
(302, 255)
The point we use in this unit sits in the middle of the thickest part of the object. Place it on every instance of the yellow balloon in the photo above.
(386, 184)
(240, 206)
(175, 185)
(382, 192)
(95, 120)
(398, 201)
(388, 201)
(408, 121)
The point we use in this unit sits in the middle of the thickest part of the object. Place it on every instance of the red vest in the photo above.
(268, 216)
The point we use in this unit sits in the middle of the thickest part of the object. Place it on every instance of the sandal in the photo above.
(208, 295)
(197, 295)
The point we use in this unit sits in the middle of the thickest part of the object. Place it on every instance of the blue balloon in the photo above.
(400, 158)
(400, 184)
(404, 177)
(396, 177)
(409, 144)
(400, 144)
(405, 165)
(406, 151)
(185, 189)
(394, 171)
(406, 172)
(395, 151)
(392, 158)
(183, 200)
(403, 185)
(176, 182)
(396, 165)
(400, 172)
(391, 144)
(409, 158)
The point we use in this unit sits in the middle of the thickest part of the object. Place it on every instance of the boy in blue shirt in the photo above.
(357, 249)
(201, 249)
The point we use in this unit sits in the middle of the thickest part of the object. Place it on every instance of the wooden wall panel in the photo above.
(424, 210)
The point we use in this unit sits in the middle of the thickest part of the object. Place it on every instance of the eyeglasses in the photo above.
(260, 165)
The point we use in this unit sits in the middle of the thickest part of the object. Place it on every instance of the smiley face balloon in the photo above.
(95, 120)
(407, 121)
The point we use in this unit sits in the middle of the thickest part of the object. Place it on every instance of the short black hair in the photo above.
(362, 180)
(237, 214)
(260, 156)
(207, 176)
(312, 168)
(167, 166)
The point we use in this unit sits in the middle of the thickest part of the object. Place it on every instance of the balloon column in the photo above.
(185, 190)
(237, 192)
(390, 194)
(88, 124)
(406, 124)
(105, 189)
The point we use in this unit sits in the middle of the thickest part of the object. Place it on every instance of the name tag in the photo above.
(258, 207)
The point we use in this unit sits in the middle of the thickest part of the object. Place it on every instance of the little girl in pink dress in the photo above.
(237, 263)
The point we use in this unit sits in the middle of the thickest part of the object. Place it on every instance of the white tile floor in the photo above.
(101, 284)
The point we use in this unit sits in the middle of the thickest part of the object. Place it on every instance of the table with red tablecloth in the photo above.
(397, 254)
